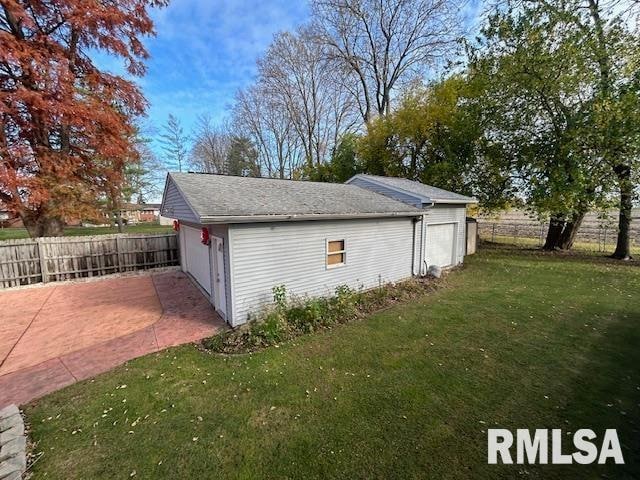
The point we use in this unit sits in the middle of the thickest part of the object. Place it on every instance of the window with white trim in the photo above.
(336, 253)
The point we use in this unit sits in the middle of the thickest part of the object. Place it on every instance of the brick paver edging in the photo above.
(13, 444)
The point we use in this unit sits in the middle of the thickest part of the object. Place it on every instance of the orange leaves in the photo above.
(67, 127)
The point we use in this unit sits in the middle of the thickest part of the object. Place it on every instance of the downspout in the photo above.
(423, 241)
(414, 220)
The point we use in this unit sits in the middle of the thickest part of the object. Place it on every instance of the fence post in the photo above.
(43, 261)
(600, 243)
(541, 233)
(64, 258)
(118, 253)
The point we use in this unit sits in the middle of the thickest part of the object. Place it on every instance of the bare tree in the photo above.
(270, 129)
(380, 43)
(322, 81)
(145, 178)
(300, 80)
(210, 146)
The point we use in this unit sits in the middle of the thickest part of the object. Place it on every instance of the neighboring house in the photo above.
(11, 220)
(240, 236)
(140, 212)
(7, 220)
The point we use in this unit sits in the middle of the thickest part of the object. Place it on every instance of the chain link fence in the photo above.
(593, 238)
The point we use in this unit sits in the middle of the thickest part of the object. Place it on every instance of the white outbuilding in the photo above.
(241, 236)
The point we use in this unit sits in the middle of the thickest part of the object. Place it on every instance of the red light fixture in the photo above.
(204, 236)
(176, 225)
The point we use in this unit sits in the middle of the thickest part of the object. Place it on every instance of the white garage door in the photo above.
(197, 257)
(440, 244)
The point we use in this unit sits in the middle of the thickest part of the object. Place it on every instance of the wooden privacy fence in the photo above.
(54, 259)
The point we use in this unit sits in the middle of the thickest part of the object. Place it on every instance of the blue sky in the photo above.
(204, 51)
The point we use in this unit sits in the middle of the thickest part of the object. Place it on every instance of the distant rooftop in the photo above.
(141, 206)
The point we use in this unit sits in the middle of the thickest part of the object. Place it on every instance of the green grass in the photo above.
(11, 233)
(515, 339)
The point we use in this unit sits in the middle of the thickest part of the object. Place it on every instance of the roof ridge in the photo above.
(289, 180)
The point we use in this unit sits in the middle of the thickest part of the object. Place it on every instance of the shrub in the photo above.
(280, 296)
(344, 304)
(215, 343)
(269, 329)
(308, 314)
(286, 319)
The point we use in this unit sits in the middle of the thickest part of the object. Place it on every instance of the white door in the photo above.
(441, 244)
(219, 285)
(197, 257)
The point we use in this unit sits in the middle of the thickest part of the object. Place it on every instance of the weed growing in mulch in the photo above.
(288, 318)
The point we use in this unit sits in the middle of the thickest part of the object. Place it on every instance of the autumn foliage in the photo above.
(67, 127)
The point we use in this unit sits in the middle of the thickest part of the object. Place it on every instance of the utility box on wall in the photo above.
(472, 235)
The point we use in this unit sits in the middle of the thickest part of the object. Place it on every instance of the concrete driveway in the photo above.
(54, 336)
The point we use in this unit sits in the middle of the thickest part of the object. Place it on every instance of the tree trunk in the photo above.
(556, 226)
(570, 230)
(623, 246)
(413, 166)
(40, 225)
(119, 220)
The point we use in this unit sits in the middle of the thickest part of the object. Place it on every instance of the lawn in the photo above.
(580, 246)
(515, 339)
(10, 233)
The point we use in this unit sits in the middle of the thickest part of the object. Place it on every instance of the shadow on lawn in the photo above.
(570, 255)
(612, 370)
(602, 393)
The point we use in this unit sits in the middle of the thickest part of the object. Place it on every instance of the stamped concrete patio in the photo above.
(53, 336)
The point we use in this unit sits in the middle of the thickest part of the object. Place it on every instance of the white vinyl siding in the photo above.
(196, 256)
(174, 204)
(293, 254)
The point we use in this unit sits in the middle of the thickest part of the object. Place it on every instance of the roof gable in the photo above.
(175, 204)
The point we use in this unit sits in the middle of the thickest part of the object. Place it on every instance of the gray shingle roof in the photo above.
(226, 196)
(437, 195)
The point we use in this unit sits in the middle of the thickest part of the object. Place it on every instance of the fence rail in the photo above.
(601, 238)
(54, 259)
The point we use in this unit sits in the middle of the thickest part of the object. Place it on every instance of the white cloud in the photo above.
(205, 50)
